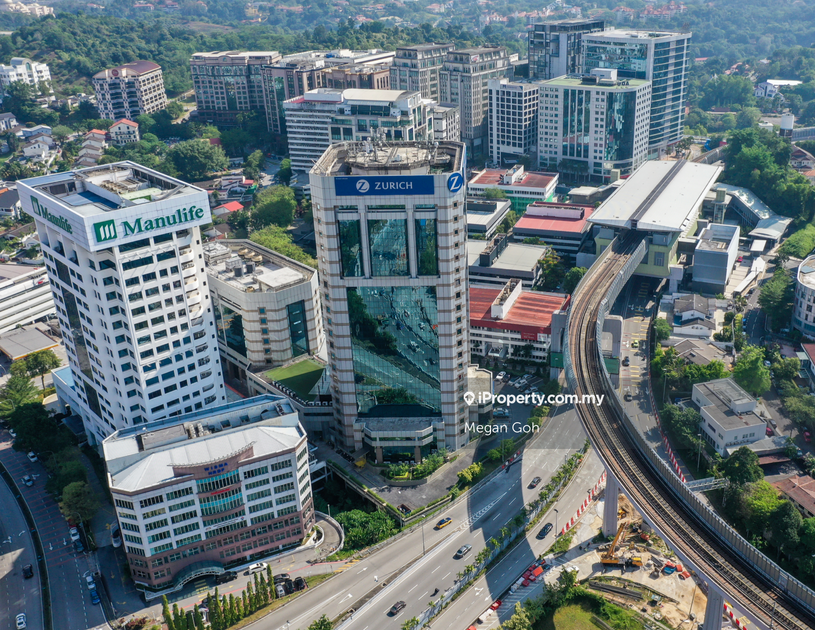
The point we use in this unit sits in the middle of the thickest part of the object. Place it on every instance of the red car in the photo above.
(496, 605)
(807, 436)
(740, 258)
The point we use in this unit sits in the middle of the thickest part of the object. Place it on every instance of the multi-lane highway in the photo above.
(476, 518)
(658, 501)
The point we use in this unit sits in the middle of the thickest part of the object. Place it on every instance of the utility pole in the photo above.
(557, 530)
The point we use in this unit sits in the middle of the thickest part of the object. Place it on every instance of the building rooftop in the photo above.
(577, 81)
(722, 394)
(484, 213)
(516, 256)
(397, 158)
(660, 196)
(806, 272)
(800, 489)
(530, 313)
(9, 272)
(760, 209)
(809, 350)
(772, 228)
(717, 237)
(691, 303)
(250, 267)
(134, 68)
(633, 34)
(698, 352)
(101, 189)
(492, 177)
(216, 54)
(543, 217)
(20, 342)
(145, 455)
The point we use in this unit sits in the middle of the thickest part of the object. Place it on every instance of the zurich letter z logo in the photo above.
(105, 231)
(363, 186)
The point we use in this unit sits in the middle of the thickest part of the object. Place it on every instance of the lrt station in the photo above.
(647, 228)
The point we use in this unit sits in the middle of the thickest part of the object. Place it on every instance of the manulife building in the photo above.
(122, 246)
(391, 231)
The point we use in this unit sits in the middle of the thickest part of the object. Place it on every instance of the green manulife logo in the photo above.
(42, 211)
(106, 230)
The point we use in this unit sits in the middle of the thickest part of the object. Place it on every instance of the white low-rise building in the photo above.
(25, 295)
(728, 413)
(29, 72)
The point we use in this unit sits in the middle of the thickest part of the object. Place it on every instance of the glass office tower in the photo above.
(390, 231)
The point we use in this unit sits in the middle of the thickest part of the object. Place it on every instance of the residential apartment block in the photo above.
(391, 231)
(209, 490)
(122, 247)
(463, 81)
(267, 306)
(22, 69)
(416, 68)
(129, 90)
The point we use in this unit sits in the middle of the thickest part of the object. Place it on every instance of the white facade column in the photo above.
(714, 608)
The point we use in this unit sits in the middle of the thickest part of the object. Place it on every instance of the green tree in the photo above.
(786, 369)
(776, 298)
(323, 623)
(552, 271)
(750, 372)
(784, 526)
(742, 467)
(274, 206)
(276, 238)
(41, 363)
(60, 133)
(748, 117)
(494, 193)
(520, 619)
(410, 624)
(573, 278)
(195, 159)
(662, 329)
(16, 392)
(175, 109)
(760, 502)
(79, 502)
(284, 174)
(165, 611)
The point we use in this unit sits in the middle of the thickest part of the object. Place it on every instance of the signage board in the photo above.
(41, 211)
(383, 185)
(107, 231)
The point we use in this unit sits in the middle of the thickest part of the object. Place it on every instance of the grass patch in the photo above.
(563, 543)
(312, 581)
(300, 377)
(577, 615)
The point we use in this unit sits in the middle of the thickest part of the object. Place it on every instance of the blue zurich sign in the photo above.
(369, 186)
(455, 182)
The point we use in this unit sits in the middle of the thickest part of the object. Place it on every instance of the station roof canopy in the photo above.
(661, 196)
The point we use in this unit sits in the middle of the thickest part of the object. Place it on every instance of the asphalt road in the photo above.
(475, 520)
(495, 584)
(70, 600)
(17, 595)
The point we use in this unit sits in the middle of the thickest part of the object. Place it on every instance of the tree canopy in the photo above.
(742, 467)
(274, 206)
(750, 371)
(194, 160)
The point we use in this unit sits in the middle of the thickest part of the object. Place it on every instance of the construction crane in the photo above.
(608, 557)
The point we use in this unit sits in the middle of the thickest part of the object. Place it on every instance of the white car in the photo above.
(257, 567)
(500, 376)
(74, 534)
(21, 623)
(32, 457)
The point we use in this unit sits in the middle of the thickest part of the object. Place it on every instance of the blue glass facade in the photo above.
(394, 336)
(388, 246)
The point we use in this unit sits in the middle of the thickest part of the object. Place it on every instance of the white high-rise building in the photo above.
(513, 121)
(591, 125)
(122, 246)
(21, 69)
(391, 232)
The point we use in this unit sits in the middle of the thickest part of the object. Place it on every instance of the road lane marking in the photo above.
(436, 569)
(413, 588)
(445, 576)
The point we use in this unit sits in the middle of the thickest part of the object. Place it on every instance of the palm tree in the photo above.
(740, 303)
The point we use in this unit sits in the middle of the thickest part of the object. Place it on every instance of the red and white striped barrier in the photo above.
(584, 506)
(737, 622)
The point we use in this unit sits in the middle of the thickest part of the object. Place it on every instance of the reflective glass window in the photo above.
(388, 246)
(427, 258)
(351, 248)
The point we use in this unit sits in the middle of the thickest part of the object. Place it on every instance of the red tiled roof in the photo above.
(532, 179)
(531, 312)
(97, 131)
(125, 121)
(800, 490)
(809, 348)
(232, 206)
(555, 224)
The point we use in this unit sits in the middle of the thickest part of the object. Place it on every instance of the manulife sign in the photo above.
(43, 212)
(112, 229)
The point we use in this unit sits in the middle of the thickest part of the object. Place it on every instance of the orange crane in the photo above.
(608, 557)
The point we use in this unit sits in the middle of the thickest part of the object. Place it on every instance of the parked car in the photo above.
(635, 343)
(396, 608)
(281, 577)
(78, 546)
(495, 605)
(74, 532)
(256, 568)
(500, 376)
(534, 483)
(21, 622)
(32, 456)
(807, 436)
(116, 536)
(94, 596)
(544, 531)
(12, 433)
(300, 584)
(89, 581)
(27, 480)
(28, 571)
(226, 576)
(463, 551)
(443, 523)
(627, 361)
(769, 431)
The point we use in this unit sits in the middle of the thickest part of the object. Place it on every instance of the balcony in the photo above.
(194, 298)
(187, 257)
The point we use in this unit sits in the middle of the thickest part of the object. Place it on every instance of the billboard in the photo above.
(383, 185)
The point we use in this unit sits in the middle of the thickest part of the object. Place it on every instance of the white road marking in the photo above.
(445, 576)
(436, 569)
(413, 588)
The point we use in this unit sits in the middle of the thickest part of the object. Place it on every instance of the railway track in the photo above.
(682, 526)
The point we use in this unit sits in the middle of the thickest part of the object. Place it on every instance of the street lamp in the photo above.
(423, 550)
(556, 518)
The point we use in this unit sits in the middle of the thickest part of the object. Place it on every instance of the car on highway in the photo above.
(396, 608)
(534, 483)
(463, 551)
(28, 571)
(256, 568)
(27, 480)
(495, 605)
(443, 523)
(21, 622)
(635, 343)
(544, 531)
(226, 576)
(500, 376)
(32, 456)
(94, 596)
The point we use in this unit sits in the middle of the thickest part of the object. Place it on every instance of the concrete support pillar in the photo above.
(714, 609)
(379, 456)
(417, 454)
(611, 506)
